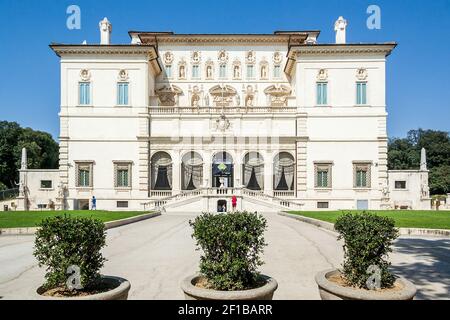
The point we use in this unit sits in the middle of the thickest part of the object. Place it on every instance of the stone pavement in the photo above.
(155, 255)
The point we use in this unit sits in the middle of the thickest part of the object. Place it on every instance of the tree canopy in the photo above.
(42, 150)
(404, 154)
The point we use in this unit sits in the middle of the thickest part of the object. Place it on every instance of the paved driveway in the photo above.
(155, 255)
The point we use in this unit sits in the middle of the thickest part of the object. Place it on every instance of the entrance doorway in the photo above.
(222, 171)
(222, 206)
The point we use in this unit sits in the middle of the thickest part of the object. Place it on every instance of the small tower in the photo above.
(105, 31)
(340, 28)
(24, 162)
(423, 160)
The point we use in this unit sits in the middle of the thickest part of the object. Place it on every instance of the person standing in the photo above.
(234, 202)
(94, 203)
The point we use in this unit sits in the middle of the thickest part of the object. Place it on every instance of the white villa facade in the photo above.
(185, 121)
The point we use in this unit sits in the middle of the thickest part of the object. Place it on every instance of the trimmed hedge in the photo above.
(62, 242)
(368, 241)
(232, 244)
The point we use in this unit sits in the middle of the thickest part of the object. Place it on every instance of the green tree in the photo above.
(43, 151)
(405, 154)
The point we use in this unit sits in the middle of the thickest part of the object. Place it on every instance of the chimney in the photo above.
(105, 32)
(339, 27)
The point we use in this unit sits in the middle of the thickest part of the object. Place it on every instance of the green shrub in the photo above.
(368, 239)
(62, 242)
(232, 244)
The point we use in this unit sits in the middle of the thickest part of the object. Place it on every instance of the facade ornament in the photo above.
(223, 95)
(195, 97)
(182, 69)
(168, 95)
(209, 69)
(249, 95)
(250, 57)
(85, 75)
(168, 58)
(222, 124)
(322, 75)
(277, 95)
(123, 75)
(207, 100)
(264, 72)
(362, 74)
(223, 57)
(237, 69)
(196, 57)
(277, 58)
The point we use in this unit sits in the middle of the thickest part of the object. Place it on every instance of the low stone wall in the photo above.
(108, 225)
(442, 233)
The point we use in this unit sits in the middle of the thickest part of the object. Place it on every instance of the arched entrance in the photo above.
(253, 171)
(192, 171)
(284, 172)
(222, 171)
(161, 172)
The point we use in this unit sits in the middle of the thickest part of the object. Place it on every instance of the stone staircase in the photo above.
(225, 193)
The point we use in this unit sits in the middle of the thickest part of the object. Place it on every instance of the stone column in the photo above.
(268, 173)
(207, 169)
(176, 172)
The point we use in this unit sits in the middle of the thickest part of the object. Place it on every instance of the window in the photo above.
(122, 94)
(84, 93)
(323, 205)
(277, 71)
(362, 176)
(84, 175)
(42, 206)
(223, 71)
(250, 71)
(122, 176)
(122, 204)
(400, 185)
(362, 204)
(323, 175)
(168, 71)
(195, 71)
(46, 184)
(322, 95)
(361, 93)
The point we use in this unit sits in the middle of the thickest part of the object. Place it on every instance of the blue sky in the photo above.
(418, 71)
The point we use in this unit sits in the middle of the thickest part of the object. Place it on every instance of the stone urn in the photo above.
(120, 290)
(404, 289)
(192, 292)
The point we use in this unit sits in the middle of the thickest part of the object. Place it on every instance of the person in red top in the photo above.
(234, 203)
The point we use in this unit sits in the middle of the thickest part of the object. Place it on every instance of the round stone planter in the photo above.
(191, 292)
(333, 291)
(120, 291)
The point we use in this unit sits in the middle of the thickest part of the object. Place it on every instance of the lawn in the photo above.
(19, 219)
(403, 219)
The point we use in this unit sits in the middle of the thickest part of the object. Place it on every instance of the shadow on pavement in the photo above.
(433, 269)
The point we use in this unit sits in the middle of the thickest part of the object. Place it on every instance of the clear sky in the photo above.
(418, 77)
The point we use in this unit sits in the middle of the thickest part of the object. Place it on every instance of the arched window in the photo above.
(253, 171)
(284, 172)
(222, 170)
(161, 171)
(192, 171)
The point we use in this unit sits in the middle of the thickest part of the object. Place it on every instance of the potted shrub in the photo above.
(365, 274)
(70, 250)
(232, 244)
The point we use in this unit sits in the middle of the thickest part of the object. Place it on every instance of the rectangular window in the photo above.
(362, 175)
(122, 175)
(322, 94)
(84, 93)
(195, 71)
(122, 204)
(323, 205)
(277, 72)
(46, 184)
(361, 93)
(323, 175)
(84, 175)
(250, 71)
(169, 71)
(122, 94)
(400, 185)
(223, 71)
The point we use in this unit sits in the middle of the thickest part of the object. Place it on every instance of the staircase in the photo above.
(243, 193)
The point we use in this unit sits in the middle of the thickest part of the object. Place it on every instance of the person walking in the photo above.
(94, 203)
(234, 203)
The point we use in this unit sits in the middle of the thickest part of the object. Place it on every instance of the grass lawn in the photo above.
(403, 219)
(20, 219)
